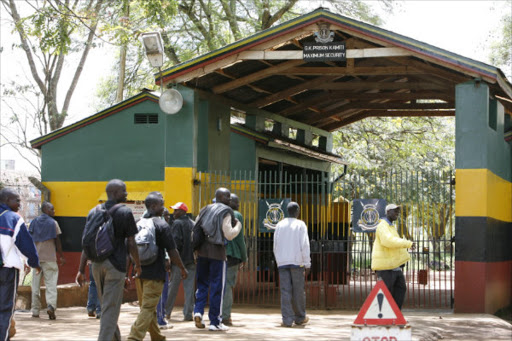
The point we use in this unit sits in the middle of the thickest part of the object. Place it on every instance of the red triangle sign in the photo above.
(380, 308)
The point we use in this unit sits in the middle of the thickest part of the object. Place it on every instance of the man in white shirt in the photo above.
(291, 250)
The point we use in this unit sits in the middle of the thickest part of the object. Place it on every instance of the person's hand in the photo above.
(307, 272)
(240, 267)
(127, 282)
(413, 246)
(195, 256)
(62, 260)
(184, 273)
(38, 270)
(137, 269)
(80, 279)
(167, 265)
(26, 268)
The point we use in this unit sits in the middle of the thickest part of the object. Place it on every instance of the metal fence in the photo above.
(341, 276)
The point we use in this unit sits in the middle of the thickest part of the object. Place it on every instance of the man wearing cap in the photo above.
(390, 254)
(181, 230)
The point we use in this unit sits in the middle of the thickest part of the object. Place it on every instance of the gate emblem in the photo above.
(274, 215)
(366, 214)
(369, 218)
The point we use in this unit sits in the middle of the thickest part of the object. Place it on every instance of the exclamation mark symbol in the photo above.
(380, 299)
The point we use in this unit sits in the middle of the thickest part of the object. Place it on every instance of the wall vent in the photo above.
(145, 119)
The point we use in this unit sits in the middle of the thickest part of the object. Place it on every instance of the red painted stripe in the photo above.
(482, 287)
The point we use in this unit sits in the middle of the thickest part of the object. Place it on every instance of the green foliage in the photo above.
(501, 49)
(415, 143)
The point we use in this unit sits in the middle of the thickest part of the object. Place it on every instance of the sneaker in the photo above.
(228, 322)
(188, 318)
(51, 312)
(218, 328)
(306, 320)
(286, 325)
(198, 319)
(91, 313)
(164, 326)
(98, 315)
(168, 316)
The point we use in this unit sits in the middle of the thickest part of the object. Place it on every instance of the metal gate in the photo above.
(341, 277)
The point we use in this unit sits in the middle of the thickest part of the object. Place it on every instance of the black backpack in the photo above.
(98, 241)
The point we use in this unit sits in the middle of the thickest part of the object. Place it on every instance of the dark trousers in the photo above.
(395, 282)
(210, 275)
(8, 288)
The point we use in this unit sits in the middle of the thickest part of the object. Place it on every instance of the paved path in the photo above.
(264, 324)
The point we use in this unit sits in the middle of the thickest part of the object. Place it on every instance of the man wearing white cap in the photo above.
(182, 232)
(390, 254)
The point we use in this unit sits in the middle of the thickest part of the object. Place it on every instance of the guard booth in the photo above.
(258, 117)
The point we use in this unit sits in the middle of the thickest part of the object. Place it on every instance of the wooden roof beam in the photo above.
(380, 86)
(355, 71)
(276, 97)
(255, 76)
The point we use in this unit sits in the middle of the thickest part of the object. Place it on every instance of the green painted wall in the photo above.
(477, 144)
(113, 147)
(243, 154)
(218, 136)
(202, 135)
(181, 127)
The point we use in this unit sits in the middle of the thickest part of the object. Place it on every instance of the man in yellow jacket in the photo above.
(390, 254)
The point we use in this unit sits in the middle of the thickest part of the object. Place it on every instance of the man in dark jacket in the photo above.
(182, 233)
(215, 224)
(151, 281)
(110, 274)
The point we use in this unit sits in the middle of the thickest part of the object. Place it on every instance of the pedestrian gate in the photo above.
(341, 275)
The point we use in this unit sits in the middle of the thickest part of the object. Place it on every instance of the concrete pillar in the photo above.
(483, 224)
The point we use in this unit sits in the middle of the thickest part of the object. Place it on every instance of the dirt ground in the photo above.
(252, 323)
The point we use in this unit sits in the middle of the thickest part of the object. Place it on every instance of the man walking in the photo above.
(291, 250)
(15, 241)
(237, 255)
(151, 281)
(389, 255)
(110, 273)
(182, 232)
(215, 224)
(45, 232)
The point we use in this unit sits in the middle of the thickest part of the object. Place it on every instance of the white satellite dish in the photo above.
(171, 101)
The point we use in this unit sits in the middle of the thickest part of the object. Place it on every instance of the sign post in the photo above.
(380, 319)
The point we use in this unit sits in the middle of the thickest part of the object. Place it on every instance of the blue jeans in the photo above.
(188, 289)
(8, 287)
(210, 275)
(93, 302)
(160, 308)
(293, 297)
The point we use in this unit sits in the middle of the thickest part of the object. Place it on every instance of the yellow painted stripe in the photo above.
(178, 187)
(481, 193)
(75, 199)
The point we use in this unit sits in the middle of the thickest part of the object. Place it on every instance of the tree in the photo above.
(501, 48)
(201, 26)
(51, 31)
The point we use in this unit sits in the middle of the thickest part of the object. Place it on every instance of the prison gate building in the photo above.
(258, 118)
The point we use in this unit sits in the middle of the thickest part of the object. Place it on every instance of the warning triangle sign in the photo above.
(380, 308)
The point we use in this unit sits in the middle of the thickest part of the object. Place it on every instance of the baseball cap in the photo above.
(180, 206)
(391, 207)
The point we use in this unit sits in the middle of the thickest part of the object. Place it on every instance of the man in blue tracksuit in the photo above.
(215, 224)
(14, 242)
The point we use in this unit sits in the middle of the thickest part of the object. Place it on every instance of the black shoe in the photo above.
(91, 313)
(51, 312)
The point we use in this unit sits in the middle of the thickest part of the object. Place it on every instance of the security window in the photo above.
(145, 119)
